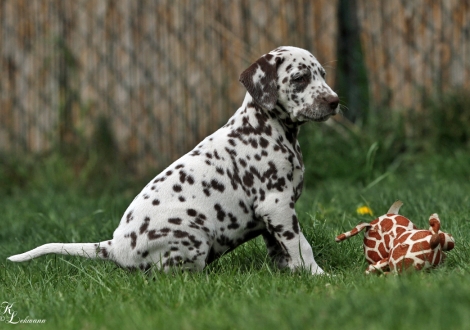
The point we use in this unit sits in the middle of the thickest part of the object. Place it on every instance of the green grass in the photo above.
(243, 289)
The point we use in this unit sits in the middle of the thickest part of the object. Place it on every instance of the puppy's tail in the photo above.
(102, 250)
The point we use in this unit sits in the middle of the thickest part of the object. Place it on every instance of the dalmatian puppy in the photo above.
(238, 183)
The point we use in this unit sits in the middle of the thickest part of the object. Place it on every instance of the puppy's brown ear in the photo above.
(260, 80)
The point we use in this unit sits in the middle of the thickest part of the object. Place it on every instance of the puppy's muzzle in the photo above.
(332, 101)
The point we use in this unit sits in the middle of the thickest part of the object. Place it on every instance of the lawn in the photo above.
(242, 290)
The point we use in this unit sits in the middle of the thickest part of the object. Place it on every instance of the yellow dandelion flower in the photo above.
(363, 210)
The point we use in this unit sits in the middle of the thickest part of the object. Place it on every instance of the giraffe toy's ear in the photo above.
(435, 241)
(434, 223)
(446, 240)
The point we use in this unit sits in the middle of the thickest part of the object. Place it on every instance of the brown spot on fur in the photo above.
(133, 239)
(373, 233)
(402, 221)
(382, 250)
(387, 224)
(180, 234)
(400, 251)
(175, 221)
(369, 243)
(376, 221)
(153, 235)
(144, 226)
(420, 235)
(404, 264)
(104, 253)
(400, 230)
(372, 255)
(340, 238)
(387, 241)
(421, 246)
(402, 238)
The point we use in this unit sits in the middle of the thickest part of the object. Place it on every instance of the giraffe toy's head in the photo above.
(420, 249)
(445, 240)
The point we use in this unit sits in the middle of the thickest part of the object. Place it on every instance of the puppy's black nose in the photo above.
(332, 101)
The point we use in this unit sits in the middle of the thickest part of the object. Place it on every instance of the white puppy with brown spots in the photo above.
(238, 183)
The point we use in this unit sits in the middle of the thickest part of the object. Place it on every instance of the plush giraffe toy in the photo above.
(380, 232)
(392, 242)
(420, 249)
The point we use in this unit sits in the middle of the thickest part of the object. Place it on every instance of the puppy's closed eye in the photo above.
(301, 78)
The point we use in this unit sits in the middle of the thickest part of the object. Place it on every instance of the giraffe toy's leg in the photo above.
(381, 266)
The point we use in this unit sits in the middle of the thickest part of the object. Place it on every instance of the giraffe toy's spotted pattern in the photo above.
(416, 249)
(393, 243)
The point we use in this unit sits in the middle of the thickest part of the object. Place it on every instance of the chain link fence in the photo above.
(163, 74)
(414, 50)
